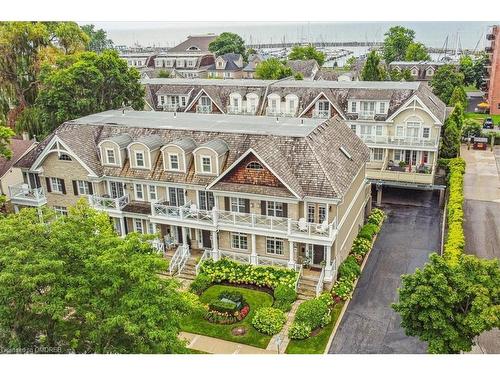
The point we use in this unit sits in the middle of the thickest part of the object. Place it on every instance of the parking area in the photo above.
(410, 233)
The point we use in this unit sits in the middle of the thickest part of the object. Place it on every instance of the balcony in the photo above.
(203, 108)
(412, 177)
(22, 194)
(379, 140)
(108, 204)
(236, 221)
(171, 107)
(490, 36)
(270, 111)
(235, 110)
(366, 115)
(321, 113)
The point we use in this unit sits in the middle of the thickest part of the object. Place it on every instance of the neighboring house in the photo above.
(252, 189)
(189, 59)
(336, 75)
(10, 175)
(308, 68)
(227, 66)
(492, 82)
(400, 121)
(139, 60)
(249, 69)
(419, 70)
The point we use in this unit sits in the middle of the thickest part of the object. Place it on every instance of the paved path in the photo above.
(482, 218)
(282, 337)
(217, 346)
(408, 236)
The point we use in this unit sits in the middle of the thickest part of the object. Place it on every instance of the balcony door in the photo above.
(176, 196)
(205, 101)
(116, 189)
(206, 239)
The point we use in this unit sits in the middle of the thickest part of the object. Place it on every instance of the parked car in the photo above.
(488, 123)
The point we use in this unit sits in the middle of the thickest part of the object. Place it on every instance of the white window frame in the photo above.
(56, 185)
(138, 228)
(237, 204)
(424, 129)
(106, 151)
(141, 191)
(353, 107)
(382, 107)
(239, 241)
(400, 131)
(379, 130)
(202, 166)
(152, 193)
(83, 187)
(137, 152)
(63, 155)
(170, 167)
(61, 210)
(311, 212)
(375, 153)
(272, 246)
(274, 209)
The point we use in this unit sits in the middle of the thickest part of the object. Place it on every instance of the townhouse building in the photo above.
(139, 60)
(400, 122)
(229, 65)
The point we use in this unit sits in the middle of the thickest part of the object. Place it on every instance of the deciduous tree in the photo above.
(228, 43)
(466, 67)
(451, 140)
(272, 69)
(98, 39)
(445, 80)
(396, 42)
(5, 135)
(459, 96)
(307, 53)
(372, 70)
(417, 52)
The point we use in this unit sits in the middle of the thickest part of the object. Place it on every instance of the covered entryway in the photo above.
(206, 239)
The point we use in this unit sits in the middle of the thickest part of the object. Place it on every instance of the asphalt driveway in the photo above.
(410, 233)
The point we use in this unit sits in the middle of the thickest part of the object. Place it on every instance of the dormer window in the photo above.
(414, 72)
(173, 162)
(110, 156)
(206, 164)
(382, 107)
(139, 159)
(254, 165)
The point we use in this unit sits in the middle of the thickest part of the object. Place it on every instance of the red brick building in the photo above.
(493, 81)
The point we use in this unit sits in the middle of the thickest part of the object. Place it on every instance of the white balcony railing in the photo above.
(108, 203)
(274, 262)
(236, 220)
(398, 141)
(241, 110)
(23, 194)
(171, 107)
(270, 111)
(203, 108)
(408, 177)
(366, 115)
(321, 113)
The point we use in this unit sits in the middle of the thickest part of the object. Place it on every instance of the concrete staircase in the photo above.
(307, 287)
(188, 272)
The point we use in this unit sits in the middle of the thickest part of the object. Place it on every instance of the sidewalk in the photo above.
(217, 346)
(283, 335)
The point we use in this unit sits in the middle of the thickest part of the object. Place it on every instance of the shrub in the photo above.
(376, 217)
(327, 298)
(200, 284)
(269, 320)
(299, 331)
(228, 307)
(312, 312)
(349, 268)
(234, 296)
(282, 305)
(361, 246)
(227, 270)
(285, 294)
(368, 231)
(342, 289)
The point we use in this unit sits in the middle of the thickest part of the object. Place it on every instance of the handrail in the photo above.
(186, 253)
(23, 191)
(174, 262)
(206, 255)
(299, 275)
(319, 285)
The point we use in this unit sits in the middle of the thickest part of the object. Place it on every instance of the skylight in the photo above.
(346, 153)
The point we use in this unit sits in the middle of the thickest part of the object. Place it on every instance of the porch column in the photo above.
(291, 258)
(253, 256)
(379, 194)
(184, 235)
(329, 265)
(215, 246)
(122, 227)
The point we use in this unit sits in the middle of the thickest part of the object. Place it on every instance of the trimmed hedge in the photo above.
(236, 273)
(285, 294)
(368, 231)
(455, 241)
(269, 320)
(349, 268)
(299, 331)
(200, 284)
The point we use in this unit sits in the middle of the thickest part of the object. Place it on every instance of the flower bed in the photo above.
(228, 308)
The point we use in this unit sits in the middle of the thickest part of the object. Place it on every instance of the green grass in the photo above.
(479, 117)
(471, 88)
(256, 299)
(316, 344)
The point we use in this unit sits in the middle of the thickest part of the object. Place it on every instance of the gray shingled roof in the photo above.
(153, 142)
(309, 162)
(200, 41)
(187, 144)
(122, 140)
(304, 67)
(218, 145)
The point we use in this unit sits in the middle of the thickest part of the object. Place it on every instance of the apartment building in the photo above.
(139, 60)
(399, 121)
(492, 86)
(254, 189)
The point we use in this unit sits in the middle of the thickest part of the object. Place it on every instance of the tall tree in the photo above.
(479, 69)
(228, 43)
(5, 135)
(372, 70)
(445, 80)
(272, 69)
(71, 282)
(403, 75)
(417, 52)
(466, 67)
(307, 53)
(451, 140)
(459, 96)
(396, 42)
(448, 306)
(98, 39)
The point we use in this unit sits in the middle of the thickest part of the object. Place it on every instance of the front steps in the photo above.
(307, 287)
(189, 270)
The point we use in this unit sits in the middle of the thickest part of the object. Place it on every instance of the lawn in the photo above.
(479, 117)
(316, 344)
(256, 299)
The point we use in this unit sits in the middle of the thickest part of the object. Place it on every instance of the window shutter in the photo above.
(91, 190)
(247, 206)
(47, 182)
(37, 181)
(227, 205)
(75, 188)
(263, 207)
(285, 209)
(63, 186)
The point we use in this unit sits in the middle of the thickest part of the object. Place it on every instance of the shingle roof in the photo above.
(122, 140)
(199, 41)
(187, 144)
(218, 145)
(310, 163)
(305, 67)
(153, 142)
(18, 148)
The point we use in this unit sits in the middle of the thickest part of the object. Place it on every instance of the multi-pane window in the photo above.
(83, 187)
(310, 213)
(365, 130)
(116, 189)
(151, 228)
(274, 209)
(176, 196)
(397, 155)
(174, 161)
(60, 210)
(399, 131)
(377, 154)
(354, 106)
(378, 130)
(64, 157)
(110, 156)
(139, 192)
(426, 132)
(152, 193)
(412, 129)
(274, 246)
(382, 107)
(239, 241)
(206, 164)
(254, 165)
(238, 204)
(323, 105)
(353, 127)
(56, 185)
(322, 213)
(138, 225)
(162, 100)
(139, 159)
(206, 200)
(183, 101)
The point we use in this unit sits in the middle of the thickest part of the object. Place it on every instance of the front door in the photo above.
(318, 254)
(206, 239)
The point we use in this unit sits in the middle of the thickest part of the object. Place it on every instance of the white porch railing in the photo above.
(179, 259)
(206, 255)
(265, 261)
(108, 203)
(399, 141)
(171, 107)
(186, 253)
(319, 285)
(242, 110)
(158, 245)
(300, 271)
(219, 218)
(366, 115)
(22, 193)
(321, 113)
(237, 257)
(203, 108)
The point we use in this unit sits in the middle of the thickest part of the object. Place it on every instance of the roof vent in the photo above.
(175, 114)
(301, 121)
(346, 153)
(277, 119)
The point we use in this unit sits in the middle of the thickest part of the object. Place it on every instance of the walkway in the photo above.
(281, 340)
(410, 233)
(217, 346)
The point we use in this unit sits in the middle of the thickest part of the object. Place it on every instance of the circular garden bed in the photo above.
(228, 308)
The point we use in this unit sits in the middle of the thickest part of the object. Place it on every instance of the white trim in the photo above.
(105, 157)
(169, 161)
(237, 161)
(210, 164)
(195, 99)
(48, 149)
(313, 102)
(142, 191)
(406, 106)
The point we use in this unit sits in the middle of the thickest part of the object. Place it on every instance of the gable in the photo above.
(240, 174)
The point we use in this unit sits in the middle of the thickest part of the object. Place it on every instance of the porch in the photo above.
(22, 194)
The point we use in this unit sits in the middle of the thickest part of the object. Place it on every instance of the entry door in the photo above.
(116, 189)
(318, 254)
(206, 239)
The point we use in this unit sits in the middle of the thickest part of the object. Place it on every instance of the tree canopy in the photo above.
(307, 53)
(448, 306)
(445, 80)
(372, 70)
(396, 42)
(98, 39)
(5, 135)
(417, 52)
(228, 43)
(272, 69)
(458, 96)
(71, 282)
